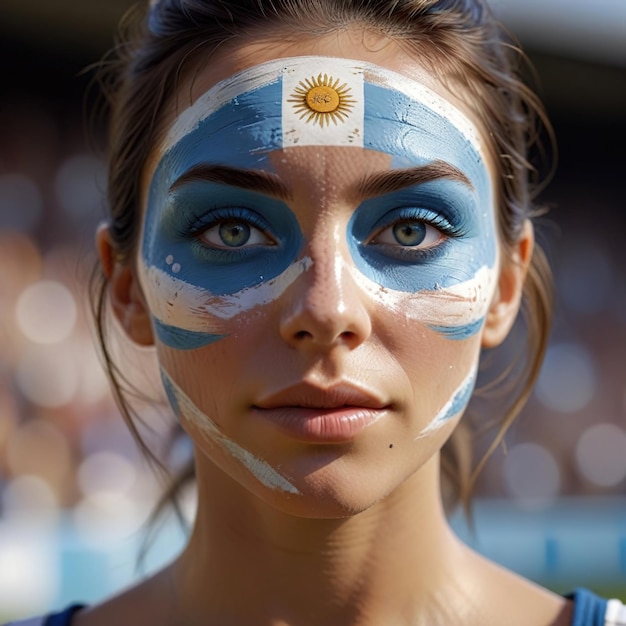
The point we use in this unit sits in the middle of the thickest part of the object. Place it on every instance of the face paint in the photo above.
(452, 312)
(288, 103)
(454, 406)
(196, 290)
(193, 287)
(184, 407)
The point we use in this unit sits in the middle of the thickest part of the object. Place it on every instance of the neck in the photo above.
(248, 562)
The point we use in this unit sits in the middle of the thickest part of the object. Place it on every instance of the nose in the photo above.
(325, 307)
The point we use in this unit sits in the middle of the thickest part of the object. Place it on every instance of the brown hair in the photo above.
(457, 40)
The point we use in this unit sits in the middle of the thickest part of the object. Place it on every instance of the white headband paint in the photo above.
(314, 101)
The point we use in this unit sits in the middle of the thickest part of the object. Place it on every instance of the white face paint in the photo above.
(461, 305)
(202, 280)
(261, 470)
(176, 303)
(455, 405)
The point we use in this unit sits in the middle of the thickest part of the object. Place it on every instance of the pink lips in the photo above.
(315, 414)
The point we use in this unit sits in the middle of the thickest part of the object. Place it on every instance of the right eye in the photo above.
(234, 233)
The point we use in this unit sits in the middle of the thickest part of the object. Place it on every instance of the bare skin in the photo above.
(381, 552)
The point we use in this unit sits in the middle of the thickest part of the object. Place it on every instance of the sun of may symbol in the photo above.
(322, 100)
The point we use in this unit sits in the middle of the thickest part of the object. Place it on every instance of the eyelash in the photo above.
(193, 227)
(426, 216)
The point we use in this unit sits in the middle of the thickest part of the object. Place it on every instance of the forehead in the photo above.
(320, 91)
(368, 49)
(319, 101)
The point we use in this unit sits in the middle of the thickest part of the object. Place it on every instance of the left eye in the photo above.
(409, 233)
(234, 233)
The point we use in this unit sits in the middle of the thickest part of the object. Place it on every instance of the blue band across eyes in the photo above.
(243, 133)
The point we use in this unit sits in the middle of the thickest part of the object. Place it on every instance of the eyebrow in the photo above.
(253, 180)
(395, 180)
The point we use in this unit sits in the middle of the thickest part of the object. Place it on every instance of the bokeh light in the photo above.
(106, 472)
(48, 376)
(31, 501)
(80, 184)
(28, 583)
(46, 312)
(531, 475)
(601, 454)
(107, 517)
(38, 448)
(568, 378)
(21, 204)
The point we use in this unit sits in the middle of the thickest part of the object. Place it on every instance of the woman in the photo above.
(320, 216)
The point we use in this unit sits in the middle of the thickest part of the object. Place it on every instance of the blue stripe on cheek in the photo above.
(459, 332)
(459, 401)
(171, 396)
(181, 339)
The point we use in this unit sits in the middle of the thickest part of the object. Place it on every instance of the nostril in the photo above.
(302, 334)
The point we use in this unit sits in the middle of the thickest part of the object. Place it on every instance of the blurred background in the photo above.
(74, 491)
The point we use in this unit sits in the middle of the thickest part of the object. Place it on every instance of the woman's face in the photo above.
(318, 257)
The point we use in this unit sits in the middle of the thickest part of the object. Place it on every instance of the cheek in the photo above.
(189, 316)
(433, 342)
(196, 399)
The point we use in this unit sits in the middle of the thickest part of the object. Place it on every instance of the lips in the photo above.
(316, 414)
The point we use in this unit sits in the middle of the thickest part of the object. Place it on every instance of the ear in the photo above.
(127, 299)
(507, 298)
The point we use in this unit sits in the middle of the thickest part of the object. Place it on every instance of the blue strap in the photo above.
(64, 618)
(589, 609)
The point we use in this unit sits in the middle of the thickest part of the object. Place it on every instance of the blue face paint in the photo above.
(459, 332)
(182, 339)
(457, 403)
(174, 218)
(416, 135)
(257, 132)
(240, 132)
(196, 206)
(449, 206)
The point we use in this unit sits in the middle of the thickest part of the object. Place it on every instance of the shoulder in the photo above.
(591, 610)
(63, 618)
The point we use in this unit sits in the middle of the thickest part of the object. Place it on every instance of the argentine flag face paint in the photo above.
(194, 289)
(223, 235)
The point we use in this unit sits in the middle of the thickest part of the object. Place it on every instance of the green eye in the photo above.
(409, 232)
(234, 234)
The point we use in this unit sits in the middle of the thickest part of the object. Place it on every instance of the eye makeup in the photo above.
(190, 276)
(289, 103)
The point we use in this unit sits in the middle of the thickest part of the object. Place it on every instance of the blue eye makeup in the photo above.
(223, 238)
(411, 233)
(443, 230)
(207, 240)
(226, 234)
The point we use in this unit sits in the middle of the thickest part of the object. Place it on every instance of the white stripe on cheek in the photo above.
(190, 307)
(461, 304)
(458, 402)
(260, 469)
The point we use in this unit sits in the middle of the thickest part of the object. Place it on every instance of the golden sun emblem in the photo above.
(322, 100)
